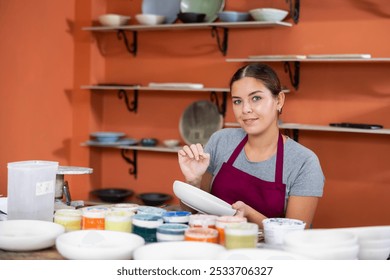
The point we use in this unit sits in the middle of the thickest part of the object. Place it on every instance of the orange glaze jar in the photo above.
(201, 234)
(93, 218)
(221, 223)
(203, 221)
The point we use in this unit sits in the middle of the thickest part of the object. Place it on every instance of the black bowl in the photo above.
(154, 199)
(113, 195)
(191, 17)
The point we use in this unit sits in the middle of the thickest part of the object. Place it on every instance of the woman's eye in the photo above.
(236, 102)
(256, 98)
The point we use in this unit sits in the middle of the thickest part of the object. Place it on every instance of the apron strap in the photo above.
(279, 161)
(237, 151)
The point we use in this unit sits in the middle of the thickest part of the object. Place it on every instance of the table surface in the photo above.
(45, 254)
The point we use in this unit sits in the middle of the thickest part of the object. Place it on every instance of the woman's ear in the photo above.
(280, 100)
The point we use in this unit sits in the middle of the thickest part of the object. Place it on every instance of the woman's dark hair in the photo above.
(261, 72)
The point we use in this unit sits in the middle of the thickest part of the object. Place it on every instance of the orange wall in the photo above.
(356, 166)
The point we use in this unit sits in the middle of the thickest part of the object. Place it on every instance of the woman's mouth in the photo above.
(249, 121)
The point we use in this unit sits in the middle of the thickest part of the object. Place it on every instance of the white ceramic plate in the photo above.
(201, 200)
(98, 245)
(28, 235)
(179, 250)
(199, 121)
(259, 254)
(167, 8)
(208, 7)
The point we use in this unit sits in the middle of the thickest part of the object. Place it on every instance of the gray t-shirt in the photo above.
(302, 171)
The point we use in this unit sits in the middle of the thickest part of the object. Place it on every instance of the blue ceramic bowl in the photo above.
(232, 16)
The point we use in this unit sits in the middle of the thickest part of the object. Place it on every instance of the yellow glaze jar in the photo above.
(69, 218)
(118, 220)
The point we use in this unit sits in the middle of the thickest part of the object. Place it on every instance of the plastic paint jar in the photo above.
(145, 225)
(131, 207)
(203, 220)
(69, 218)
(151, 210)
(171, 232)
(242, 235)
(93, 218)
(201, 234)
(221, 223)
(118, 220)
(178, 217)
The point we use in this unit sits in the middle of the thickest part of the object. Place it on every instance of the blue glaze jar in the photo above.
(178, 217)
(171, 232)
(151, 210)
(145, 225)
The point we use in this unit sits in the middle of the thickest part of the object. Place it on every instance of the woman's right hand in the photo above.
(193, 163)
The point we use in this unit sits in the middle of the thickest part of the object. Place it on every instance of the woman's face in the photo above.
(254, 106)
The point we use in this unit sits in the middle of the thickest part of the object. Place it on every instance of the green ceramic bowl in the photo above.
(208, 7)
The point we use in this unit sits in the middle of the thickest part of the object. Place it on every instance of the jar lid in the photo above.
(68, 212)
(174, 229)
(147, 220)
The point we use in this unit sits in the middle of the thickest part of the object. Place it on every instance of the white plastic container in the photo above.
(31, 186)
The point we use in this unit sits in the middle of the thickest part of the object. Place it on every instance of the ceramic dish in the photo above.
(112, 195)
(28, 235)
(259, 254)
(123, 142)
(113, 20)
(268, 14)
(98, 245)
(154, 198)
(233, 16)
(179, 250)
(167, 8)
(199, 121)
(208, 7)
(201, 200)
(107, 136)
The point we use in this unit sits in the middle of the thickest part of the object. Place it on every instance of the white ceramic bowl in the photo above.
(171, 143)
(149, 19)
(179, 250)
(28, 235)
(113, 20)
(374, 253)
(320, 239)
(98, 245)
(233, 16)
(268, 14)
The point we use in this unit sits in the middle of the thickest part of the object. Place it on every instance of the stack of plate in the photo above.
(374, 241)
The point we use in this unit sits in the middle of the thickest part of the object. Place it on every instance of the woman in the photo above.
(261, 172)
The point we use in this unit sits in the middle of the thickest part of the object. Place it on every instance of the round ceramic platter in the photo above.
(201, 200)
(122, 142)
(98, 245)
(167, 8)
(179, 250)
(199, 121)
(259, 254)
(208, 7)
(28, 235)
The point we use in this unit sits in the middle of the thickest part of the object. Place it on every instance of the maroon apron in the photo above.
(232, 184)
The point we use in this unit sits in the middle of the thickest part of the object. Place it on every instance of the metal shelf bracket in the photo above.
(222, 46)
(221, 107)
(133, 105)
(294, 9)
(294, 77)
(132, 162)
(121, 34)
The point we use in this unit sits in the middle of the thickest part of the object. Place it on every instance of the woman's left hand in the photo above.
(242, 208)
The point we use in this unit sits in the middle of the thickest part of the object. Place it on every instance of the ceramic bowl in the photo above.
(268, 14)
(28, 235)
(171, 143)
(347, 252)
(374, 253)
(208, 7)
(190, 17)
(98, 245)
(179, 250)
(149, 142)
(233, 16)
(259, 254)
(113, 20)
(107, 137)
(176, 217)
(113, 195)
(149, 19)
(154, 198)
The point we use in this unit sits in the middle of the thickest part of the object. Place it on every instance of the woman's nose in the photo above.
(246, 107)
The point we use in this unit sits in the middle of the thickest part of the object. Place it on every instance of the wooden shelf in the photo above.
(147, 88)
(136, 148)
(382, 59)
